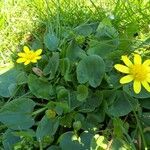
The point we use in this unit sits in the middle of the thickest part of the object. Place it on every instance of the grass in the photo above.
(19, 19)
(22, 21)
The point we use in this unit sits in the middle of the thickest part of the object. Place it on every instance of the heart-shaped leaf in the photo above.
(82, 93)
(91, 69)
(128, 88)
(122, 105)
(17, 114)
(40, 88)
(46, 127)
(51, 41)
(7, 80)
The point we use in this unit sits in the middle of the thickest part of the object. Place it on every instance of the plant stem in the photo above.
(38, 111)
(140, 129)
(40, 144)
(139, 126)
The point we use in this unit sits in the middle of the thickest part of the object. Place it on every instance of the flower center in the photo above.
(139, 72)
(30, 55)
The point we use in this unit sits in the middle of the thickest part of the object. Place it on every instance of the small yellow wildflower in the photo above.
(138, 73)
(29, 56)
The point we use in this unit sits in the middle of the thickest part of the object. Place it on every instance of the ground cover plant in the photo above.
(80, 78)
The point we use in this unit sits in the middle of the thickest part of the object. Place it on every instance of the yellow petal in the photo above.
(137, 59)
(126, 60)
(126, 79)
(21, 54)
(34, 60)
(146, 62)
(38, 57)
(38, 52)
(148, 68)
(21, 60)
(148, 77)
(26, 49)
(146, 85)
(121, 68)
(27, 62)
(137, 86)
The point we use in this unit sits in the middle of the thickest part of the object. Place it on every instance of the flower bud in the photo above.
(50, 113)
(80, 39)
(77, 125)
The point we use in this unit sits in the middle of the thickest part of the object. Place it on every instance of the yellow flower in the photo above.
(29, 56)
(138, 73)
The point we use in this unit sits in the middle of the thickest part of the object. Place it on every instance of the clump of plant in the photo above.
(65, 92)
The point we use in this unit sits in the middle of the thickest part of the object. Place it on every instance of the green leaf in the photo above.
(52, 66)
(67, 120)
(122, 105)
(82, 93)
(93, 118)
(70, 141)
(101, 48)
(145, 103)
(145, 117)
(7, 80)
(109, 96)
(91, 69)
(106, 40)
(17, 114)
(93, 101)
(128, 88)
(119, 144)
(51, 41)
(97, 116)
(74, 52)
(37, 44)
(40, 88)
(9, 140)
(62, 93)
(131, 29)
(86, 138)
(22, 78)
(72, 101)
(147, 136)
(113, 79)
(53, 147)
(84, 30)
(118, 127)
(65, 68)
(46, 127)
(105, 31)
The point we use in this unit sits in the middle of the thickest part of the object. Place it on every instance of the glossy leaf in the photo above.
(40, 88)
(93, 101)
(17, 114)
(51, 41)
(9, 139)
(122, 105)
(91, 69)
(7, 80)
(46, 127)
(52, 66)
(74, 52)
(84, 30)
(128, 88)
(82, 93)
(70, 141)
(145, 103)
(65, 68)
